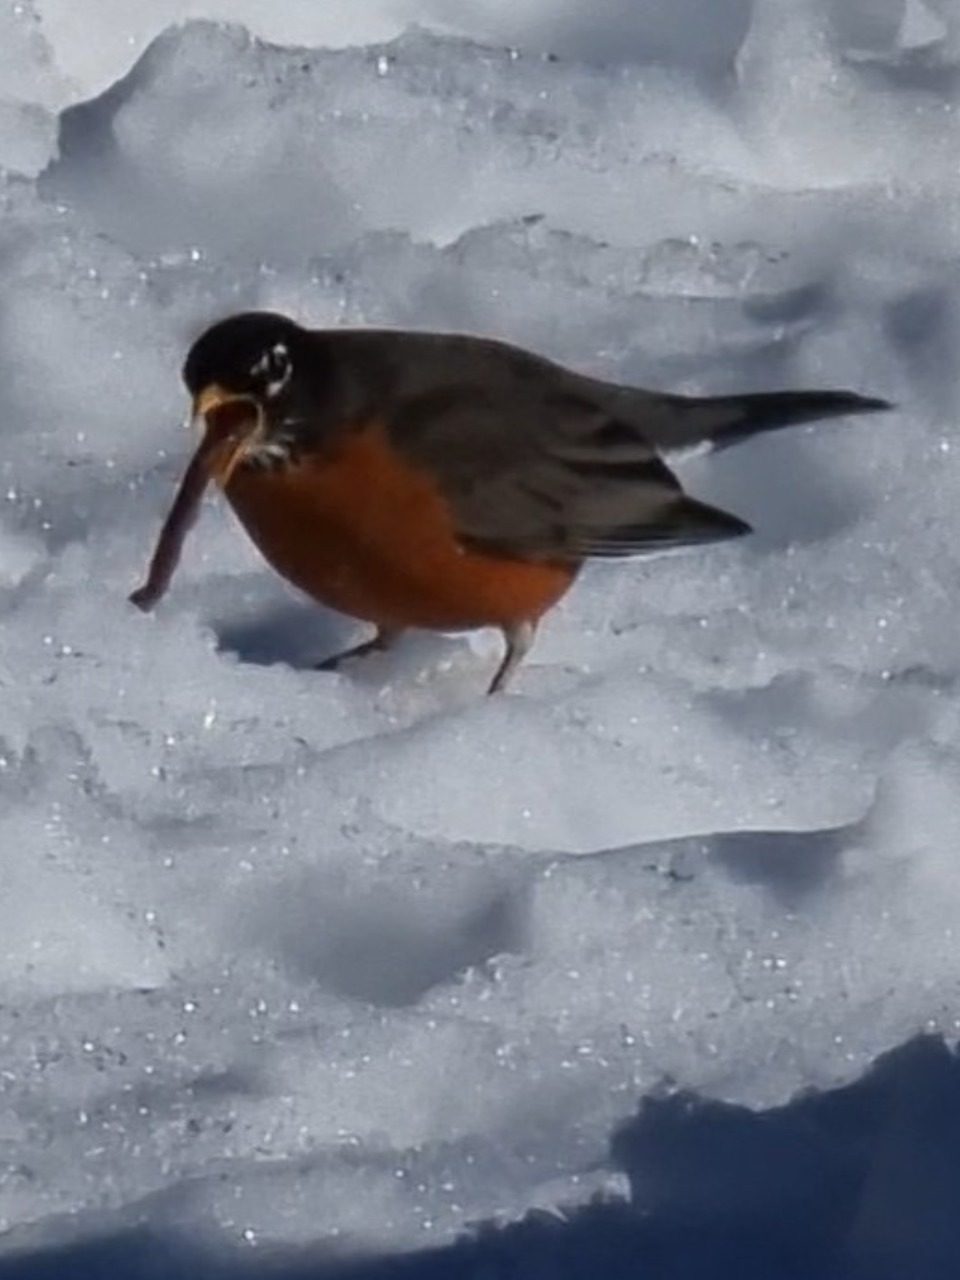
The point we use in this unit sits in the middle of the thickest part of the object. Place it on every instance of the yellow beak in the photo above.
(211, 398)
(226, 449)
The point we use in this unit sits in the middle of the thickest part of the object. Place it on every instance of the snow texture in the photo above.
(306, 973)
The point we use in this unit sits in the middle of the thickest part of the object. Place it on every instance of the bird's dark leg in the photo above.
(382, 640)
(519, 639)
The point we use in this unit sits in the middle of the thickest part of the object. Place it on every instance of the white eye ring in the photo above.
(274, 365)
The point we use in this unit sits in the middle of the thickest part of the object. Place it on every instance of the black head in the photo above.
(252, 354)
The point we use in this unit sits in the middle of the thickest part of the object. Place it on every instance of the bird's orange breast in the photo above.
(364, 532)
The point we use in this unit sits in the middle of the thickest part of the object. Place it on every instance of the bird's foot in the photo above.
(382, 641)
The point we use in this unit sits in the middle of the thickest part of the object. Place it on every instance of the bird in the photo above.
(445, 481)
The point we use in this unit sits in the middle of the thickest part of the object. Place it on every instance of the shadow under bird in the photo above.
(444, 481)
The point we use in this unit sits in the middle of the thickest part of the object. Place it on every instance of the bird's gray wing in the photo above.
(548, 473)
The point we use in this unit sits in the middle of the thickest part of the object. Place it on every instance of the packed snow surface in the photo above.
(288, 956)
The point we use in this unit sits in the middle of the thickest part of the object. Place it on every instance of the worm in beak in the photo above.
(230, 422)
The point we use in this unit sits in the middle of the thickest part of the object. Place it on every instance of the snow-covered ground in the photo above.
(295, 959)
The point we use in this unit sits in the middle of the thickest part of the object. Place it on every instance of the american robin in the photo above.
(440, 480)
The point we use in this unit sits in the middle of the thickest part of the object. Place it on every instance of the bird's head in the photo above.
(239, 373)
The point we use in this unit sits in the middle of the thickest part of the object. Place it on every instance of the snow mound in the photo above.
(294, 956)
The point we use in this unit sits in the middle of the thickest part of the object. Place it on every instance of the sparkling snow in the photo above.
(289, 958)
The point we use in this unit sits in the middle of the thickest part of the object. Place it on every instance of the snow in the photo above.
(300, 961)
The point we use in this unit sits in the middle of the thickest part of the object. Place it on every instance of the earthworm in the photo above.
(180, 520)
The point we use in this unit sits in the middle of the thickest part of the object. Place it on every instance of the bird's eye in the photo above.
(273, 369)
